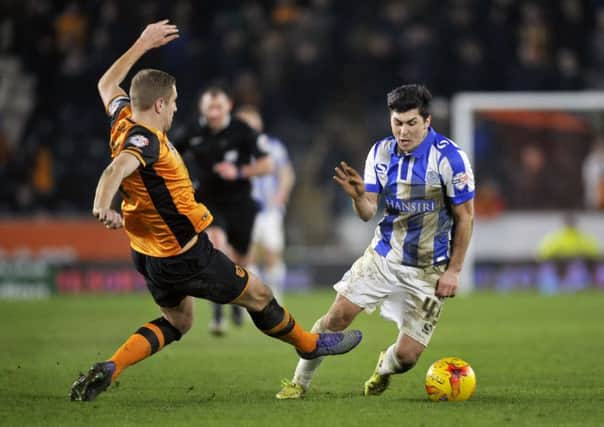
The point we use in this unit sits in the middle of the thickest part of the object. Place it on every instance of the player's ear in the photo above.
(158, 105)
(428, 120)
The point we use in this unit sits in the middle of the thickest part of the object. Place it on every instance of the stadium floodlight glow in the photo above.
(464, 107)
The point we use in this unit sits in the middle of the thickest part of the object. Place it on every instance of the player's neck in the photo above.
(147, 120)
(217, 127)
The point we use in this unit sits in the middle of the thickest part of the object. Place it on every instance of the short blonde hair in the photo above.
(149, 85)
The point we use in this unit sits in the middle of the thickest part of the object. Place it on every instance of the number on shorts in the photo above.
(432, 308)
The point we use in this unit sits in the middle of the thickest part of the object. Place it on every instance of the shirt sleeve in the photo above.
(457, 176)
(143, 144)
(279, 154)
(372, 183)
(116, 106)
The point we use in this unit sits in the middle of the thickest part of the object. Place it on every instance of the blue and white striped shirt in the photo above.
(265, 187)
(418, 189)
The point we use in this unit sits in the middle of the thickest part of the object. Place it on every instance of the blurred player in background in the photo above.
(166, 226)
(416, 256)
(272, 193)
(225, 153)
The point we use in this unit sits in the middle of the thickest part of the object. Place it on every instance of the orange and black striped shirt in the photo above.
(160, 212)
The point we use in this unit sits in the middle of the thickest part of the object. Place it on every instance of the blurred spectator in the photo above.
(568, 243)
(564, 255)
(318, 70)
(489, 202)
(529, 179)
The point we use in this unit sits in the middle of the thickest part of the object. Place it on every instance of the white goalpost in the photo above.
(464, 107)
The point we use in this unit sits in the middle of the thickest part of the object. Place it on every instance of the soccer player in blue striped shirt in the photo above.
(415, 258)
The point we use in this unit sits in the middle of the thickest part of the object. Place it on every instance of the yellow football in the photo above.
(450, 379)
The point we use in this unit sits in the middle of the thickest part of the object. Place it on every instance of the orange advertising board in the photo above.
(86, 239)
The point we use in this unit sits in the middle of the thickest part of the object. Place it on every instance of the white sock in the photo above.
(305, 370)
(275, 278)
(390, 364)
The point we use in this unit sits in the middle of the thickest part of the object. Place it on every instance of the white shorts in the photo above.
(268, 230)
(406, 294)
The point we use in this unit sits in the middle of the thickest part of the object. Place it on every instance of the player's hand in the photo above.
(109, 217)
(158, 34)
(226, 170)
(350, 180)
(447, 284)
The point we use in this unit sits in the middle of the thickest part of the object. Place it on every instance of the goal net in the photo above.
(539, 165)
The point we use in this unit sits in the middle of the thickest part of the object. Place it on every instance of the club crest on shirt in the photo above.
(239, 271)
(231, 156)
(139, 141)
(381, 168)
(460, 180)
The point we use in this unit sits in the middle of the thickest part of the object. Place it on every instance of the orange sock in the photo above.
(135, 349)
(147, 340)
(303, 340)
(286, 329)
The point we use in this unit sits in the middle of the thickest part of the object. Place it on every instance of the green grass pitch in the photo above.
(538, 361)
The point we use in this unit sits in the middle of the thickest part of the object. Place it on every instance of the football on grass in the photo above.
(450, 379)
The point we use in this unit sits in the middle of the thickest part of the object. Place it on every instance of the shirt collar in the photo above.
(422, 149)
(203, 121)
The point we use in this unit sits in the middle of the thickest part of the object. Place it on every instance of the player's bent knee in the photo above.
(181, 321)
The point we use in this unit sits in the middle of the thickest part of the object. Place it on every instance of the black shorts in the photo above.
(236, 218)
(201, 272)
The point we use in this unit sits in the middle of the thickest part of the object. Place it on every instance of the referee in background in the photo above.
(222, 154)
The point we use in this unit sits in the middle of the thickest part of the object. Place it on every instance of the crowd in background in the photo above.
(318, 70)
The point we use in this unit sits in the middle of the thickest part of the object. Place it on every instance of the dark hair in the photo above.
(408, 97)
(215, 88)
(148, 85)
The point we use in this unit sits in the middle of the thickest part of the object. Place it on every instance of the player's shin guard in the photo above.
(275, 321)
(305, 369)
(147, 340)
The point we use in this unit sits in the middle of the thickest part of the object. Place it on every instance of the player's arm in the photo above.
(109, 183)
(262, 166)
(456, 174)
(463, 222)
(155, 35)
(287, 179)
(364, 203)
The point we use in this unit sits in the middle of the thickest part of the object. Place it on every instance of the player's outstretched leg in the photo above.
(277, 322)
(146, 341)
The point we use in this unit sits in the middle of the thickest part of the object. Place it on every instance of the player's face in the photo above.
(409, 128)
(169, 109)
(215, 108)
